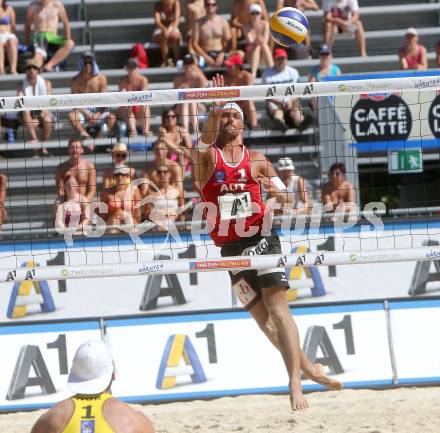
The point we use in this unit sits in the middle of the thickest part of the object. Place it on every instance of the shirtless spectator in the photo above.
(82, 170)
(122, 199)
(342, 16)
(167, 33)
(302, 5)
(237, 76)
(191, 78)
(8, 40)
(194, 10)
(211, 35)
(338, 190)
(90, 121)
(119, 157)
(35, 85)
(256, 34)
(240, 17)
(134, 82)
(3, 188)
(413, 55)
(42, 17)
(73, 213)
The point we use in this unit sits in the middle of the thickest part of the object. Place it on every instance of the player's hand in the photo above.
(218, 81)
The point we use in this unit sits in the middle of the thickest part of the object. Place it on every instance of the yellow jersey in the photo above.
(87, 416)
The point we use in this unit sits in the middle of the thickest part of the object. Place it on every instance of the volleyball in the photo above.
(289, 26)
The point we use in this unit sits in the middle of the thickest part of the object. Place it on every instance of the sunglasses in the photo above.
(120, 174)
(210, 5)
(32, 67)
(162, 171)
(255, 13)
(88, 62)
(170, 116)
(120, 155)
(324, 54)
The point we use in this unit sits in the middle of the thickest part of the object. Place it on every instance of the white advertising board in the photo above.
(227, 354)
(100, 297)
(416, 336)
(36, 359)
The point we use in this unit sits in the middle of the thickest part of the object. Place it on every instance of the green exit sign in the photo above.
(405, 161)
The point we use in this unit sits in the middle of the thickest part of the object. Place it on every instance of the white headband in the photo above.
(234, 106)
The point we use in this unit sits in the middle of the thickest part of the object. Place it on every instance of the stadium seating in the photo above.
(110, 27)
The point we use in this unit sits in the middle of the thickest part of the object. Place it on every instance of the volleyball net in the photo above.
(378, 136)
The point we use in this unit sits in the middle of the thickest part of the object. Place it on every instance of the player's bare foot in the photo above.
(318, 375)
(297, 399)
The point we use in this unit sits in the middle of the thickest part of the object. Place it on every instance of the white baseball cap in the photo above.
(234, 106)
(92, 368)
(411, 31)
(285, 163)
(255, 7)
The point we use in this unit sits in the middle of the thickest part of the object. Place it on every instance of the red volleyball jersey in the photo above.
(237, 199)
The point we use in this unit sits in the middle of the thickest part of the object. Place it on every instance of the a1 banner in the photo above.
(226, 354)
(35, 362)
(416, 335)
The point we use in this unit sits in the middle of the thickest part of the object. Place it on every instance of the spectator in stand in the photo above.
(342, 16)
(165, 196)
(134, 82)
(240, 17)
(338, 190)
(194, 10)
(139, 54)
(82, 170)
(325, 68)
(191, 78)
(90, 121)
(122, 199)
(35, 85)
(211, 35)
(256, 34)
(3, 188)
(173, 144)
(437, 55)
(119, 158)
(294, 183)
(167, 33)
(73, 212)
(302, 5)
(42, 17)
(237, 76)
(8, 40)
(413, 55)
(285, 112)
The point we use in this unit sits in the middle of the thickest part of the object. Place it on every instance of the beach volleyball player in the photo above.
(230, 178)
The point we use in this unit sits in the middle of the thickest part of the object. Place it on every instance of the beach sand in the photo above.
(402, 410)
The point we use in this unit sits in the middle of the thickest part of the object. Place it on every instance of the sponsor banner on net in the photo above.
(364, 86)
(220, 264)
(69, 101)
(426, 83)
(68, 272)
(357, 258)
(139, 98)
(151, 268)
(206, 94)
(433, 254)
